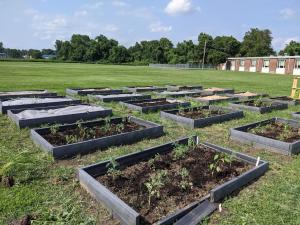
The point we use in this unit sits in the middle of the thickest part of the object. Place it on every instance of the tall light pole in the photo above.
(204, 51)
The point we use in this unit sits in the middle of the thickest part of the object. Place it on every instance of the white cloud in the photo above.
(119, 3)
(287, 13)
(47, 27)
(111, 28)
(279, 43)
(81, 13)
(95, 5)
(180, 7)
(159, 27)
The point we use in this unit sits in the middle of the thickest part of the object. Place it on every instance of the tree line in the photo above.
(82, 48)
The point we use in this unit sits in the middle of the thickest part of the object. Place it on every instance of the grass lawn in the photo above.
(49, 190)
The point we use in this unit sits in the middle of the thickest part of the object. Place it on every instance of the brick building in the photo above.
(271, 64)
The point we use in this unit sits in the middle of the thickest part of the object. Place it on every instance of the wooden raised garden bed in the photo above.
(178, 94)
(259, 105)
(201, 116)
(247, 95)
(279, 135)
(296, 115)
(84, 137)
(28, 103)
(169, 182)
(183, 87)
(286, 99)
(92, 91)
(152, 105)
(119, 97)
(215, 90)
(212, 99)
(27, 93)
(144, 89)
(56, 114)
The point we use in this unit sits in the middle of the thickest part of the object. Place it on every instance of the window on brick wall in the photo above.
(297, 65)
(242, 62)
(266, 63)
(281, 63)
(253, 62)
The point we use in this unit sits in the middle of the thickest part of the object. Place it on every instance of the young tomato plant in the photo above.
(180, 151)
(151, 162)
(185, 182)
(71, 139)
(113, 168)
(219, 160)
(106, 127)
(120, 127)
(155, 183)
(54, 129)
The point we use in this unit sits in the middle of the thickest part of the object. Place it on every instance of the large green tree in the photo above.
(63, 50)
(48, 52)
(35, 54)
(15, 53)
(119, 54)
(257, 43)
(226, 44)
(293, 48)
(103, 47)
(79, 44)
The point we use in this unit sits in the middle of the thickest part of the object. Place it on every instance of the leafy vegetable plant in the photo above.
(154, 185)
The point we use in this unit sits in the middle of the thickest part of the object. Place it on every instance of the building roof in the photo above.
(268, 57)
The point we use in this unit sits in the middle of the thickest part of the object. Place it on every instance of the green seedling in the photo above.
(192, 144)
(154, 185)
(180, 151)
(54, 129)
(185, 182)
(120, 127)
(219, 161)
(71, 139)
(113, 168)
(106, 127)
(151, 162)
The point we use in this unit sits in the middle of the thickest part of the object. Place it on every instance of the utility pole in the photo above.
(204, 51)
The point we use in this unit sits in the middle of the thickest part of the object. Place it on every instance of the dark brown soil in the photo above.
(201, 113)
(7, 181)
(284, 98)
(130, 185)
(78, 134)
(278, 131)
(257, 103)
(152, 103)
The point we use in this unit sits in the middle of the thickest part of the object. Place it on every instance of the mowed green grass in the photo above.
(49, 190)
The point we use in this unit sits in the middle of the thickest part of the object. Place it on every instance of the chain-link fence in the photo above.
(184, 66)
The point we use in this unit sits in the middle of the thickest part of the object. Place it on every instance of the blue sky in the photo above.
(38, 23)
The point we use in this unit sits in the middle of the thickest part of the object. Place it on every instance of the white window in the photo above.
(281, 63)
(242, 63)
(266, 63)
(253, 62)
(297, 65)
